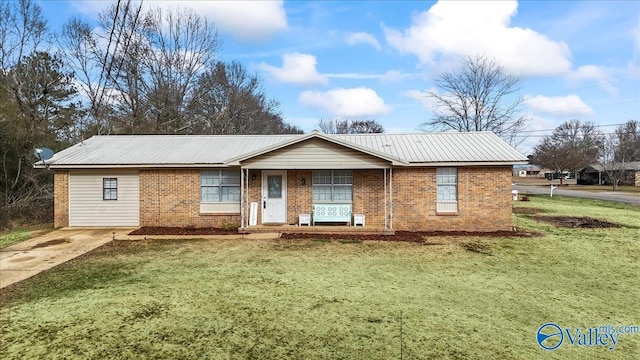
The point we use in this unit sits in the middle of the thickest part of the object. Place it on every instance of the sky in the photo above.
(376, 60)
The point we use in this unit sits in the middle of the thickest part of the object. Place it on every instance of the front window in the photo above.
(109, 188)
(220, 186)
(447, 189)
(332, 185)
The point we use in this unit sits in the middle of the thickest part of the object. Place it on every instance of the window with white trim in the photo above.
(447, 189)
(332, 185)
(109, 188)
(218, 186)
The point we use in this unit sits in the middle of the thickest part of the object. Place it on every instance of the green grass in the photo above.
(10, 237)
(314, 299)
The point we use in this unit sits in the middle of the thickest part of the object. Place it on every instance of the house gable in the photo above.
(315, 153)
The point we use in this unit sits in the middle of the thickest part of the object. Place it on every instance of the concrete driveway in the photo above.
(23, 260)
(608, 196)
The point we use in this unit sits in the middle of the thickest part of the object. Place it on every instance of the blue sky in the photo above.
(375, 60)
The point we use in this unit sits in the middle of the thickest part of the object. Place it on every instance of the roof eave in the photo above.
(468, 163)
(130, 166)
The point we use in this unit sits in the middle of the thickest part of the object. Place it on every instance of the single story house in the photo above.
(595, 174)
(428, 181)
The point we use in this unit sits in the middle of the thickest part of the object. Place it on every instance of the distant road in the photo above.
(608, 196)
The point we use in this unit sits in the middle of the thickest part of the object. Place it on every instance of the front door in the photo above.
(274, 197)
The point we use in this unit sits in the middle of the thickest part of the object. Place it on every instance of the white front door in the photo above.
(274, 197)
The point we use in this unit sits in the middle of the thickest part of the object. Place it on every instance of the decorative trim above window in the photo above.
(447, 190)
(332, 186)
(220, 186)
(109, 188)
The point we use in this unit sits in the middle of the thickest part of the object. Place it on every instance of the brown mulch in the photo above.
(161, 230)
(406, 236)
(526, 210)
(409, 236)
(576, 222)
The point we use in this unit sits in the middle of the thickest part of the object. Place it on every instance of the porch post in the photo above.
(391, 197)
(242, 197)
(246, 197)
(385, 197)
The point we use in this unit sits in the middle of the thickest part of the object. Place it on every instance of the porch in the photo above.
(318, 229)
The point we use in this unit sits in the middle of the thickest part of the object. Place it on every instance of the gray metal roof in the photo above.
(188, 150)
(632, 165)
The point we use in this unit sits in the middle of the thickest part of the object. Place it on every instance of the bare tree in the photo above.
(349, 126)
(22, 31)
(232, 101)
(183, 45)
(629, 141)
(572, 146)
(618, 149)
(98, 58)
(480, 96)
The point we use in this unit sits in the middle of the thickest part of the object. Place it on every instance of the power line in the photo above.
(607, 125)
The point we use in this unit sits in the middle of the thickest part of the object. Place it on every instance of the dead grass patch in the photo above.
(576, 222)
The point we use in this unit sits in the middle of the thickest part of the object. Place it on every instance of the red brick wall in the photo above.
(484, 200)
(61, 198)
(171, 197)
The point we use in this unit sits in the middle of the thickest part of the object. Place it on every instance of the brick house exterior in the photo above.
(392, 193)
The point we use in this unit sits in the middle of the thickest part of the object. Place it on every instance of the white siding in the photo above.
(315, 154)
(86, 207)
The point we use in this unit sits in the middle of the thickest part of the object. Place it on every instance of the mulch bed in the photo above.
(409, 236)
(160, 230)
(576, 222)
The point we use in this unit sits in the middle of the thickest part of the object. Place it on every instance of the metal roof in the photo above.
(631, 166)
(221, 150)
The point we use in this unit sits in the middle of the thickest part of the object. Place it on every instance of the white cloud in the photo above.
(395, 76)
(595, 73)
(558, 105)
(422, 97)
(468, 28)
(245, 20)
(363, 38)
(296, 68)
(355, 102)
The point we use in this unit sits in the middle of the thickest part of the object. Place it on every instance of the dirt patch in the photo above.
(576, 222)
(159, 230)
(409, 236)
(49, 243)
(526, 210)
(477, 248)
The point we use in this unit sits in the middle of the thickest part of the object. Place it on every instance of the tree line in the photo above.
(137, 71)
(575, 145)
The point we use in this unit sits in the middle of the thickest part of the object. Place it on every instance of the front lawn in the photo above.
(14, 236)
(460, 297)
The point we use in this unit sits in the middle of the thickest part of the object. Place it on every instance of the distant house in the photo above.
(595, 174)
(528, 170)
(428, 181)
